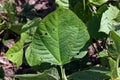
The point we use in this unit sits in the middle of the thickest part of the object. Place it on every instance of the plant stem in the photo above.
(63, 73)
(84, 4)
(118, 73)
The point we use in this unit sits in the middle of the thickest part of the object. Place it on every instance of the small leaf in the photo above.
(113, 67)
(102, 9)
(103, 54)
(47, 75)
(64, 3)
(29, 28)
(15, 53)
(98, 2)
(107, 22)
(116, 40)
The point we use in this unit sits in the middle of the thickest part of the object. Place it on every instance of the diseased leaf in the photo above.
(15, 53)
(108, 22)
(58, 38)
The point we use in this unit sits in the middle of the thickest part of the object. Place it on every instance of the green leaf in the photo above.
(64, 3)
(98, 2)
(114, 51)
(29, 29)
(113, 67)
(47, 75)
(96, 73)
(102, 9)
(15, 53)
(118, 17)
(103, 54)
(10, 8)
(108, 22)
(116, 40)
(81, 54)
(1, 7)
(94, 24)
(58, 38)
(82, 13)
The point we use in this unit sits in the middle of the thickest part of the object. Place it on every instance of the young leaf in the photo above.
(98, 2)
(57, 39)
(15, 54)
(64, 3)
(29, 29)
(107, 22)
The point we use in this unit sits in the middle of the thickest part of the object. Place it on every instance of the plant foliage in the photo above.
(80, 40)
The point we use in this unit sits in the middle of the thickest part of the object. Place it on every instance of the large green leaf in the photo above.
(51, 74)
(58, 38)
(96, 73)
(98, 2)
(108, 21)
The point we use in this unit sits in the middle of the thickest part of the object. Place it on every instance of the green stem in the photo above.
(63, 73)
(118, 73)
(84, 4)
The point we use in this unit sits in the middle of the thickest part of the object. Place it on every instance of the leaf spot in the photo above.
(46, 33)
